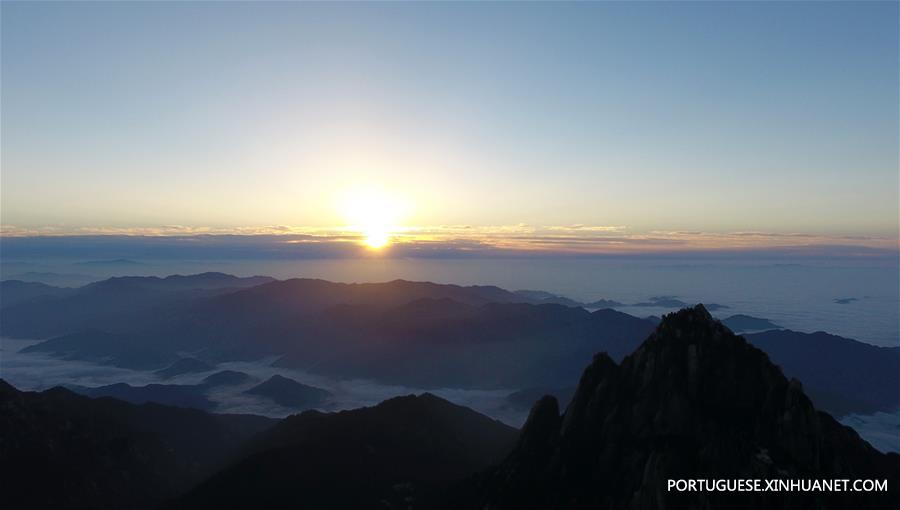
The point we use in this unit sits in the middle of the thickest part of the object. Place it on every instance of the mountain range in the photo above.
(692, 401)
(416, 334)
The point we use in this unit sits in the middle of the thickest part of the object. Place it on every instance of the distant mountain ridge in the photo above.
(740, 323)
(328, 327)
(16, 291)
(176, 395)
(115, 305)
(290, 393)
(841, 375)
(418, 334)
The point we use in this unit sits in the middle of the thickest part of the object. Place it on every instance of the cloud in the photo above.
(279, 242)
(39, 371)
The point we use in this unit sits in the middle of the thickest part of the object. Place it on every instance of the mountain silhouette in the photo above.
(384, 456)
(289, 393)
(227, 378)
(115, 305)
(178, 395)
(694, 401)
(740, 323)
(413, 333)
(841, 375)
(60, 450)
(416, 334)
(16, 291)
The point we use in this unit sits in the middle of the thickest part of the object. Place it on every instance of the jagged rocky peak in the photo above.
(542, 424)
(694, 401)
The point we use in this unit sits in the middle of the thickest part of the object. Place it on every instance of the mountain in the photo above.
(289, 393)
(604, 303)
(443, 343)
(177, 395)
(694, 401)
(413, 333)
(177, 282)
(130, 351)
(54, 279)
(525, 398)
(673, 302)
(386, 456)
(417, 334)
(307, 296)
(740, 322)
(841, 375)
(61, 450)
(117, 305)
(16, 291)
(184, 366)
(227, 378)
(114, 263)
(540, 297)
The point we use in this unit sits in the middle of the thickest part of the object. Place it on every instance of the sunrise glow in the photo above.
(373, 213)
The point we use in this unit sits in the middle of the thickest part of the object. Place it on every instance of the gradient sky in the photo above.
(711, 118)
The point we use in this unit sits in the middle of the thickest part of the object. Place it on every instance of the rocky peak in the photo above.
(693, 401)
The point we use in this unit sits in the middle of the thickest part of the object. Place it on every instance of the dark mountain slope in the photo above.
(227, 378)
(693, 402)
(428, 342)
(16, 291)
(441, 343)
(840, 375)
(290, 393)
(413, 333)
(62, 450)
(307, 296)
(124, 350)
(366, 458)
(177, 395)
(525, 398)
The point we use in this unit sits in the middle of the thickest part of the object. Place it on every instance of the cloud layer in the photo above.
(287, 242)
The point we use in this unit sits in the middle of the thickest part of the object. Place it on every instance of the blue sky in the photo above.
(641, 119)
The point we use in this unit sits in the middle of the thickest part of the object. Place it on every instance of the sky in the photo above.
(561, 127)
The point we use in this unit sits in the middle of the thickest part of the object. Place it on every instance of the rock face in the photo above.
(693, 402)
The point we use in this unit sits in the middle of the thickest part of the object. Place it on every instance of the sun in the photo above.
(376, 238)
(374, 214)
